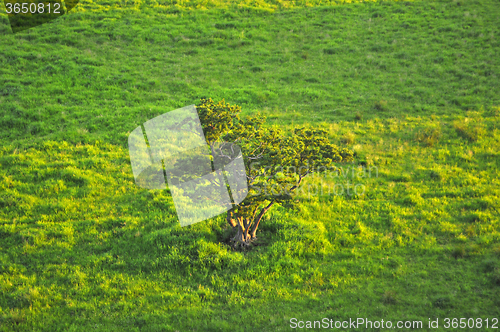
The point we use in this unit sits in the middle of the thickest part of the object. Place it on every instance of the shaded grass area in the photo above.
(412, 88)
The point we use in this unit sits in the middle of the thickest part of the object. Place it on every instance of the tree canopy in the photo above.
(275, 162)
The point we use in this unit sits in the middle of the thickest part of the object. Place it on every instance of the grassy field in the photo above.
(412, 87)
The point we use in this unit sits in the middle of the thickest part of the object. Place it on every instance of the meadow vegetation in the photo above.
(413, 88)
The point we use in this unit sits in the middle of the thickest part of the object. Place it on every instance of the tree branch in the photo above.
(259, 217)
(298, 183)
(230, 219)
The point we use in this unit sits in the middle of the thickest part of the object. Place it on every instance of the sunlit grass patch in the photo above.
(470, 130)
(428, 136)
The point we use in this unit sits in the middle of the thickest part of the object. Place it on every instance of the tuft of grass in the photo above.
(428, 136)
(15, 317)
(435, 175)
(381, 105)
(389, 297)
(496, 250)
(470, 130)
(358, 116)
(348, 138)
(442, 302)
(489, 265)
(471, 218)
(404, 177)
(495, 276)
(458, 251)
(495, 111)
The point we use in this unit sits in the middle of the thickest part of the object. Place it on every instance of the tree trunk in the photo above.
(246, 229)
(242, 228)
(258, 219)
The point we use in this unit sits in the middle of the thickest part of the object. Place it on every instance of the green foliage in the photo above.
(216, 119)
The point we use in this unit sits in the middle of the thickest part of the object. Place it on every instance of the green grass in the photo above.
(411, 87)
(92, 74)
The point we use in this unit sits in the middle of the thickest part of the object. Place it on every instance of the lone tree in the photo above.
(275, 163)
